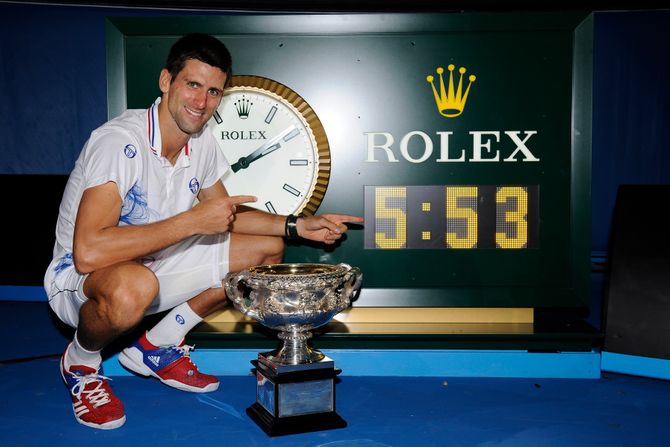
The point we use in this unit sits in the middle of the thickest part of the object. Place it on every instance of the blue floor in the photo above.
(446, 411)
(615, 410)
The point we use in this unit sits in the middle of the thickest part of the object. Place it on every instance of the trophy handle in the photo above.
(236, 293)
(352, 280)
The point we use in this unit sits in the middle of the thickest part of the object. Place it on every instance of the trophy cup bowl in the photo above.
(293, 299)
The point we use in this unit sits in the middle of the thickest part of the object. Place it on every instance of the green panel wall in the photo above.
(366, 74)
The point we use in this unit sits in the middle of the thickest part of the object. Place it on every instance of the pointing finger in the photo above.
(238, 200)
(341, 218)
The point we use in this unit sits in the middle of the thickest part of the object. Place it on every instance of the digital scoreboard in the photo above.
(451, 217)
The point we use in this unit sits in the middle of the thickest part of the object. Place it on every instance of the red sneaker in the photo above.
(93, 402)
(171, 365)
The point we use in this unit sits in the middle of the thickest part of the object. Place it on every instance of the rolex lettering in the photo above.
(507, 146)
(243, 135)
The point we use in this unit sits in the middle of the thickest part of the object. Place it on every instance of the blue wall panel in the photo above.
(631, 108)
(53, 85)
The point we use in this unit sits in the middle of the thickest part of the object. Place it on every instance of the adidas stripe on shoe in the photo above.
(172, 365)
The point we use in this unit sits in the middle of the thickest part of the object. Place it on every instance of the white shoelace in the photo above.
(185, 350)
(96, 396)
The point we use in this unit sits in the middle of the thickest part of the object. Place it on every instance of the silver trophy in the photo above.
(295, 384)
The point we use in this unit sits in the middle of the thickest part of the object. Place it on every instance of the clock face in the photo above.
(275, 144)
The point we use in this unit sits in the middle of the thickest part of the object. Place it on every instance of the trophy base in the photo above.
(295, 400)
(274, 426)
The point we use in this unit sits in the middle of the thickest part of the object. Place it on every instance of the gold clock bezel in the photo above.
(320, 183)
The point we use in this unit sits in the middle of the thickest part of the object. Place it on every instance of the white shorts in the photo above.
(184, 270)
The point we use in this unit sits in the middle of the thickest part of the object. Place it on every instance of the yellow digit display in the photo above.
(511, 225)
(390, 218)
(455, 217)
(461, 214)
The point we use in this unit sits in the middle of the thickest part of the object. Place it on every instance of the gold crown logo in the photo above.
(450, 103)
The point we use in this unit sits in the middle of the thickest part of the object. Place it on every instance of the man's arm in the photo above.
(99, 241)
(247, 220)
(326, 228)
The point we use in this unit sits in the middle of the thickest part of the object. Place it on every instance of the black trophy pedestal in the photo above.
(293, 424)
(295, 398)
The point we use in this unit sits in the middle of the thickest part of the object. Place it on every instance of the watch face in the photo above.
(276, 152)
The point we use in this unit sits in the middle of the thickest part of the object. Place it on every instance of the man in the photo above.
(132, 239)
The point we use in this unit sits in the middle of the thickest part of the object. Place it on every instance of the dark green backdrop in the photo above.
(367, 73)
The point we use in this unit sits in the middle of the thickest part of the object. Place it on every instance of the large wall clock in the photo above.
(276, 145)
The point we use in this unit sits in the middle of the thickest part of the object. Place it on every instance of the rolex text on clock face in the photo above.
(271, 149)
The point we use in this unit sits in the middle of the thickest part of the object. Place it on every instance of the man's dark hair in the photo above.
(203, 47)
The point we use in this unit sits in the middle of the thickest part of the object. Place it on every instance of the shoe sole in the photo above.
(131, 359)
(106, 426)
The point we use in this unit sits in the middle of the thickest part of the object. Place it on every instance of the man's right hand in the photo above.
(215, 215)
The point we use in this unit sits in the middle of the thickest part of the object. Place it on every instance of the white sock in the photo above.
(172, 329)
(77, 355)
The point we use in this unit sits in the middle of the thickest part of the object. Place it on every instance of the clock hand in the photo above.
(267, 147)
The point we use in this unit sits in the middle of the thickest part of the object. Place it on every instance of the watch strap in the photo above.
(291, 227)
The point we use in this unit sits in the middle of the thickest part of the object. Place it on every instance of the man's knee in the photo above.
(249, 250)
(123, 297)
(273, 250)
(135, 296)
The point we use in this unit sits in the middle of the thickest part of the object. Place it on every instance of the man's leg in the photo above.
(247, 251)
(117, 298)
(161, 353)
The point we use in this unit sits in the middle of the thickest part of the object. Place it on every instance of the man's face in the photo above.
(193, 95)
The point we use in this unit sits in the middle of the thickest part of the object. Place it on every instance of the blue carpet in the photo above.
(32, 330)
(616, 410)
